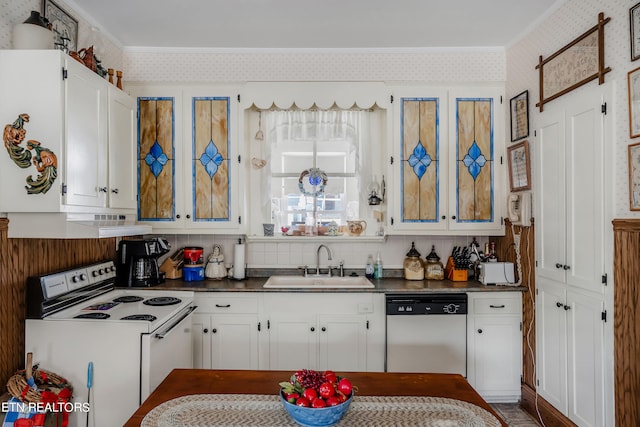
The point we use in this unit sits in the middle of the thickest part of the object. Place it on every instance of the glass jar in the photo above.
(413, 265)
(434, 270)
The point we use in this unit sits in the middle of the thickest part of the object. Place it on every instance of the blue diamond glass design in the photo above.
(474, 160)
(211, 159)
(156, 159)
(419, 160)
(315, 179)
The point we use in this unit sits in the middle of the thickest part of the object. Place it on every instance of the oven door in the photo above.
(166, 348)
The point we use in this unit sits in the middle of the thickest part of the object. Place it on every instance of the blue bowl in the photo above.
(316, 417)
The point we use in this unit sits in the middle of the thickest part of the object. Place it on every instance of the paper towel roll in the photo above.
(238, 261)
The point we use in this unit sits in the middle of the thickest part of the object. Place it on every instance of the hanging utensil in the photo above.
(259, 135)
(89, 384)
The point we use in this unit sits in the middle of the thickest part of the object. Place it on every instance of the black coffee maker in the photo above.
(137, 263)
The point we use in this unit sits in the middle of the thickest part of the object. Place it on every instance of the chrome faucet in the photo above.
(318, 259)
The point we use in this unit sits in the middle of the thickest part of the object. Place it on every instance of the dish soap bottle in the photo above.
(369, 269)
(377, 271)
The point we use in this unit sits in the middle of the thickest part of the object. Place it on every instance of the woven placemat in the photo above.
(258, 410)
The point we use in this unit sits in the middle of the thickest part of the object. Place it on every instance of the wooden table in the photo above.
(183, 382)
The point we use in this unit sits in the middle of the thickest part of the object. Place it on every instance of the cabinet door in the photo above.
(586, 359)
(497, 355)
(476, 167)
(551, 199)
(123, 189)
(585, 126)
(86, 137)
(343, 343)
(293, 341)
(234, 343)
(551, 343)
(201, 338)
(420, 160)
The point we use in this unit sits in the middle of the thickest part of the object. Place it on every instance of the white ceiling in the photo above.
(315, 24)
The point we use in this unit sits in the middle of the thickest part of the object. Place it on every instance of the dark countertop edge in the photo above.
(390, 285)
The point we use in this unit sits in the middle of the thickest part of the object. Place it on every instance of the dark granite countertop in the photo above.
(386, 285)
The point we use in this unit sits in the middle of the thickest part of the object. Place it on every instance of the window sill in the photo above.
(305, 239)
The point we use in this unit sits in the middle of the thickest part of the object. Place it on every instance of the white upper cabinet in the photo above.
(448, 163)
(60, 127)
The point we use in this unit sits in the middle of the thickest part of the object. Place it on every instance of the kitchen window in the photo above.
(316, 161)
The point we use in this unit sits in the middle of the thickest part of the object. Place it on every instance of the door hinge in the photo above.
(65, 74)
(391, 98)
(268, 324)
(538, 383)
(64, 188)
(239, 158)
(238, 97)
(239, 219)
(605, 279)
(604, 316)
(500, 99)
(259, 326)
(520, 326)
(603, 108)
(536, 291)
(391, 220)
(391, 159)
(535, 133)
(367, 324)
(501, 160)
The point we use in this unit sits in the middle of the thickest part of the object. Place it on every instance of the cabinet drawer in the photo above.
(231, 305)
(497, 306)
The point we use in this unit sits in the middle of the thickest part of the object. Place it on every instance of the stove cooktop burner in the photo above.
(162, 301)
(147, 317)
(92, 316)
(128, 298)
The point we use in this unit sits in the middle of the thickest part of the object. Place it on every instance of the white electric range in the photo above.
(132, 336)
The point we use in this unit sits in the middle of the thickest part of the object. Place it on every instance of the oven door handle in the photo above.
(188, 312)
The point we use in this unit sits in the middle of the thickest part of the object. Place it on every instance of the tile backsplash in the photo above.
(295, 253)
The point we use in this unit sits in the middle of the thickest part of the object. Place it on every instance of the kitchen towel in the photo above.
(238, 261)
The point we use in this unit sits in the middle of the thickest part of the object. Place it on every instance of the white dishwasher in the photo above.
(426, 333)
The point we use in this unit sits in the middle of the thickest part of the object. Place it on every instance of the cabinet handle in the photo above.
(496, 306)
(214, 330)
(313, 329)
(205, 330)
(566, 267)
(324, 329)
(567, 307)
(479, 331)
(102, 189)
(223, 305)
(558, 265)
(114, 191)
(259, 327)
(559, 304)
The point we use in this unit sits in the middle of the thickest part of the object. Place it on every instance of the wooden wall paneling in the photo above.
(21, 258)
(626, 268)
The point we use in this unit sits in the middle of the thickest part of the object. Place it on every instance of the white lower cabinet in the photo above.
(225, 331)
(494, 345)
(341, 332)
(570, 345)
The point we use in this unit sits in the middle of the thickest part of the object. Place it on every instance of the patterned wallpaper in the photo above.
(569, 21)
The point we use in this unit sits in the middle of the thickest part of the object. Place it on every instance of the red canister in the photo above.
(193, 255)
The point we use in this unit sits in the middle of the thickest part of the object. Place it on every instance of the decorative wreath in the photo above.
(48, 387)
(316, 178)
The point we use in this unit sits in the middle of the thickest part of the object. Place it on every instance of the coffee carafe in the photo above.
(137, 263)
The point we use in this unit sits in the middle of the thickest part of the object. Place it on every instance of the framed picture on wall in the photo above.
(634, 20)
(520, 116)
(519, 166)
(633, 87)
(64, 25)
(634, 176)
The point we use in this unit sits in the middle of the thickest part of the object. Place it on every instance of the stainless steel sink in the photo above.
(319, 282)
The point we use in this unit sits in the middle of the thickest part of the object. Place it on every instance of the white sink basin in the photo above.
(318, 282)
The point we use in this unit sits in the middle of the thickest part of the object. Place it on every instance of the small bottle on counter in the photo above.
(377, 271)
(369, 269)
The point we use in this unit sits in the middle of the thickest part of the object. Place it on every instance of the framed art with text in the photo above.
(519, 166)
(520, 116)
(634, 21)
(64, 25)
(633, 88)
